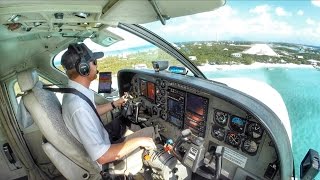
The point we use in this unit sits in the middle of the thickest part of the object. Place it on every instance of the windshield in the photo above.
(275, 42)
(131, 52)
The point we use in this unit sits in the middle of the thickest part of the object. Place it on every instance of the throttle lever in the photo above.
(137, 107)
(218, 157)
(181, 139)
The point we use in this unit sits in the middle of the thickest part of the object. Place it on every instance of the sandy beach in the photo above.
(208, 67)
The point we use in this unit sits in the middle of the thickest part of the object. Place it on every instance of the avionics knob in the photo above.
(169, 141)
(162, 92)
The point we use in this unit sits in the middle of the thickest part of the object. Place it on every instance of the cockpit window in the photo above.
(130, 53)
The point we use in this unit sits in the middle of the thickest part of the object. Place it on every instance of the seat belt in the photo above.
(75, 92)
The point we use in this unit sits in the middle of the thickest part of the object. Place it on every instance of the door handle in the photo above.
(9, 153)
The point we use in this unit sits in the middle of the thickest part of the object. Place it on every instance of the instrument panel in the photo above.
(175, 106)
(237, 131)
(178, 107)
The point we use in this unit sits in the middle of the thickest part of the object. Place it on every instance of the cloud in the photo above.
(281, 12)
(227, 23)
(261, 9)
(310, 21)
(315, 2)
(300, 13)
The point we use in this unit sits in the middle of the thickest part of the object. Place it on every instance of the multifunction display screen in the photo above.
(196, 104)
(151, 91)
(148, 90)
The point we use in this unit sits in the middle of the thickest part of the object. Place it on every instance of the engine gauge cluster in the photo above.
(238, 132)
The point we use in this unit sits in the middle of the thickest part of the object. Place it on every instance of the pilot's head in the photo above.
(80, 60)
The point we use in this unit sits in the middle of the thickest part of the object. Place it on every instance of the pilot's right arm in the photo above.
(95, 139)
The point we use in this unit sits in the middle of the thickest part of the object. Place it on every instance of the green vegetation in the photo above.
(209, 52)
(221, 53)
(116, 63)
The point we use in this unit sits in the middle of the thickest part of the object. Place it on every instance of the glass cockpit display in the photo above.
(175, 103)
(148, 90)
(105, 81)
(196, 104)
(196, 114)
(151, 91)
(174, 106)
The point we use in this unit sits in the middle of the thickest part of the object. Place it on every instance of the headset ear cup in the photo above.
(83, 67)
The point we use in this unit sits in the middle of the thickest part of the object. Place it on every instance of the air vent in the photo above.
(82, 15)
(58, 15)
(14, 18)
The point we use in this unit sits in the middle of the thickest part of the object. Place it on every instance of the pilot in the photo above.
(80, 64)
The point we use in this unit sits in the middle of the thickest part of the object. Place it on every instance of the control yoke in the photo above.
(131, 112)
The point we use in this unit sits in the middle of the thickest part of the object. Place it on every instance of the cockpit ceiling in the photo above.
(21, 17)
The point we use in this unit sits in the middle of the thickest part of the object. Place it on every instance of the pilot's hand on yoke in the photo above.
(147, 143)
(121, 101)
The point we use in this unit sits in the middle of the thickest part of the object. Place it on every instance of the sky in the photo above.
(293, 21)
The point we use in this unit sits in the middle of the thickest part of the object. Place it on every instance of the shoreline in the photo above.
(256, 65)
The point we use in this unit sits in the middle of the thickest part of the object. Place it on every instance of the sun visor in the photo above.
(106, 38)
(143, 11)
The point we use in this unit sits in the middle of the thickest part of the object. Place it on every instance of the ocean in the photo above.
(300, 90)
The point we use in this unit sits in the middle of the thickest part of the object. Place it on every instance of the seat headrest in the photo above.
(27, 79)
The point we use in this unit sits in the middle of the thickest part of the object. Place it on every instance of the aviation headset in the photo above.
(82, 65)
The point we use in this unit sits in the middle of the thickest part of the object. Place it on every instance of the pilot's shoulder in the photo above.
(72, 102)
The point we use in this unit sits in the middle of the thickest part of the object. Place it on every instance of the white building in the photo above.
(300, 57)
(140, 66)
(237, 55)
(193, 58)
(283, 61)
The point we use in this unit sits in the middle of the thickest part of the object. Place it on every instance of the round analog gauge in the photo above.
(134, 81)
(250, 147)
(255, 130)
(154, 110)
(218, 133)
(221, 117)
(237, 123)
(158, 81)
(233, 139)
(163, 84)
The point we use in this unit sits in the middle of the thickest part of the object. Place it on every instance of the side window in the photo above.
(130, 53)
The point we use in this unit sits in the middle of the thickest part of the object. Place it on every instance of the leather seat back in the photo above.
(46, 111)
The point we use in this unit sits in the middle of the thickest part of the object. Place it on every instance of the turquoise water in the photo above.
(300, 90)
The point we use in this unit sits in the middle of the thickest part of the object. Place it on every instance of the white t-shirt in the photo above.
(83, 122)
